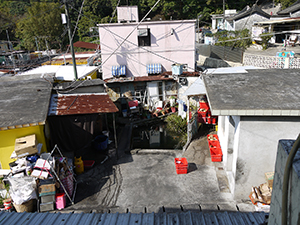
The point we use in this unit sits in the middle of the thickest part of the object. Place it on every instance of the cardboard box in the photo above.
(26, 145)
(47, 188)
(270, 178)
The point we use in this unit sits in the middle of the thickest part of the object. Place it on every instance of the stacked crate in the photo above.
(214, 148)
(204, 113)
(47, 192)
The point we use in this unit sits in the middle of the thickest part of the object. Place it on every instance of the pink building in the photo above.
(151, 48)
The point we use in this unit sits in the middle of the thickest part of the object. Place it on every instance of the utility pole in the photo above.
(223, 14)
(71, 40)
(11, 49)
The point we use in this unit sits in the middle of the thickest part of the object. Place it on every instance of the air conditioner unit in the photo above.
(175, 77)
(177, 69)
(183, 81)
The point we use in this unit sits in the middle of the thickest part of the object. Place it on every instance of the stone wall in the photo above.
(284, 148)
(269, 62)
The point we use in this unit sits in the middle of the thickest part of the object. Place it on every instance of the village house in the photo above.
(24, 108)
(255, 110)
(136, 56)
(243, 19)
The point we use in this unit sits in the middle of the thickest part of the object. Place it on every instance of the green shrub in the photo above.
(266, 37)
(177, 127)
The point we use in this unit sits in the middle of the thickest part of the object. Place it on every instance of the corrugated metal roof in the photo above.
(81, 104)
(164, 76)
(215, 218)
(81, 44)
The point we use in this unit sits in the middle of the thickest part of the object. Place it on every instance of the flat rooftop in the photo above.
(259, 92)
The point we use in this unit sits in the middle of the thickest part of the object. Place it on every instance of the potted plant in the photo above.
(172, 103)
(6, 201)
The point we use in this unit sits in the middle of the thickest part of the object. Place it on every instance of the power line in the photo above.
(114, 11)
(76, 24)
(131, 32)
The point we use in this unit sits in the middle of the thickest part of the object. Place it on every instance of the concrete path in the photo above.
(146, 181)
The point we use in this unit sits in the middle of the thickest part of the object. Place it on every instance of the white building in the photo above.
(255, 110)
(134, 50)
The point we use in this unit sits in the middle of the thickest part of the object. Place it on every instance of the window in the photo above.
(144, 37)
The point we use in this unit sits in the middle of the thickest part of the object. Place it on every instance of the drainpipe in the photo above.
(286, 177)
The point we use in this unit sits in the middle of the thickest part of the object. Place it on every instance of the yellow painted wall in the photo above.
(8, 137)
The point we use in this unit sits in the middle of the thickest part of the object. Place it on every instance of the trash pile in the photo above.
(36, 181)
(261, 196)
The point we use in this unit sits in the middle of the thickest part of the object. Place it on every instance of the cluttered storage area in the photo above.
(37, 181)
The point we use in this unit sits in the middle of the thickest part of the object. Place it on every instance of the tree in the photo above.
(42, 22)
(286, 3)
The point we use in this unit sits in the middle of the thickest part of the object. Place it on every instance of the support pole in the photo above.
(71, 39)
(223, 15)
(115, 134)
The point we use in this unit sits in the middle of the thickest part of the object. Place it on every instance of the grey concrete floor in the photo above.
(146, 181)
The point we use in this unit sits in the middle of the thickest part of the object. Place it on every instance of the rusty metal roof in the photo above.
(164, 76)
(81, 104)
(87, 45)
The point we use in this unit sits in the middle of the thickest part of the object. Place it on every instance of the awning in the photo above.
(197, 88)
(119, 70)
(154, 68)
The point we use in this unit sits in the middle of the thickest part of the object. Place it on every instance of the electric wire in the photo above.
(131, 32)
(114, 11)
(75, 28)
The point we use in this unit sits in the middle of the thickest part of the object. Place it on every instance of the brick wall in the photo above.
(284, 148)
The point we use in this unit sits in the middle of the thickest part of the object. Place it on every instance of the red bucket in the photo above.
(7, 204)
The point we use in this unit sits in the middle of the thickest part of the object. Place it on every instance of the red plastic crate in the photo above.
(214, 144)
(212, 136)
(181, 165)
(202, 112)
(214, 120)
(204, 104)
(88, 163)
(217, 158)
(181, 171)
(208, 120)
(201, 119)
(216, 154)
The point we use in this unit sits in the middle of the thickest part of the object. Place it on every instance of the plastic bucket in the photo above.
(100, 142)
(7, 204)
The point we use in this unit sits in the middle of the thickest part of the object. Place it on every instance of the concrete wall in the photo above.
(247, 22)
(254, 147)
(8, 139)
(215, 63)
(284, 148)
(168, 48)
(296, 14)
